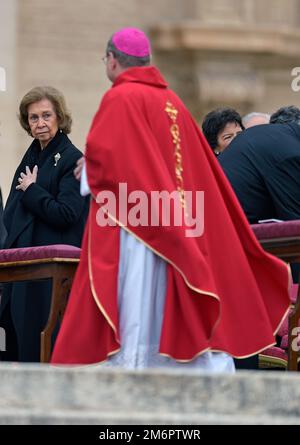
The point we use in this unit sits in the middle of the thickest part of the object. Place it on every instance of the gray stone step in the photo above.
(41, 394)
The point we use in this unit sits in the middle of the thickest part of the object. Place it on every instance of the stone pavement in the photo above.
(41, 394)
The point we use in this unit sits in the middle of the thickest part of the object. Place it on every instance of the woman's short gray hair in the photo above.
(57, 99)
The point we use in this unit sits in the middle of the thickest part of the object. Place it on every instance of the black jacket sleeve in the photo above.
(60, 212)
(283, 183)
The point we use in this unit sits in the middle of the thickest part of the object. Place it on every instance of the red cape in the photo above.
(223, 291)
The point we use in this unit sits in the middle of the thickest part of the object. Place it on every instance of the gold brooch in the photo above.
(56, 159)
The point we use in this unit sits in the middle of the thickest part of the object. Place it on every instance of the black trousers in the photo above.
(11, 348)
(247, 363)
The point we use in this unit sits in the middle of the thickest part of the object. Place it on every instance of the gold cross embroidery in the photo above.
(175, 132)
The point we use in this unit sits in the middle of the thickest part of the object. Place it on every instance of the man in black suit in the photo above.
(2, 228)
(263, 167)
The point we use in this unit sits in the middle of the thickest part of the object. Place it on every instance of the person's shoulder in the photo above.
(70, 150)
(294, 129)
(123, 97)
(283, 130)
(271, 143)
(257, 131)
(116, 95)
(124, 90)
(284, 137)
(255, 137)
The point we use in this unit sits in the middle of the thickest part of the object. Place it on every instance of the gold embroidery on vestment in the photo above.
(175, 132)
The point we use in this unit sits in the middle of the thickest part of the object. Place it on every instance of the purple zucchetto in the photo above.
(132, 41)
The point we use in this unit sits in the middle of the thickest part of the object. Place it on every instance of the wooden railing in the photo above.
(288, 249)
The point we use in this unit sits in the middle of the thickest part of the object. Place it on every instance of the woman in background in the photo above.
(220, 127)
(44, 207)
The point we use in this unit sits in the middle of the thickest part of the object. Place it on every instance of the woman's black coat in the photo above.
(50, 211)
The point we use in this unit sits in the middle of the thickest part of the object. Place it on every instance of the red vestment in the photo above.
(224, 292)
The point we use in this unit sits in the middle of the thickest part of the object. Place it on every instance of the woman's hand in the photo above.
(27, 178)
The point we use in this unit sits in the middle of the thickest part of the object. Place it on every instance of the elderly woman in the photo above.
(44, 207)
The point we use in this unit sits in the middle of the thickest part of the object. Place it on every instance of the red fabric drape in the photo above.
(223, 291)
